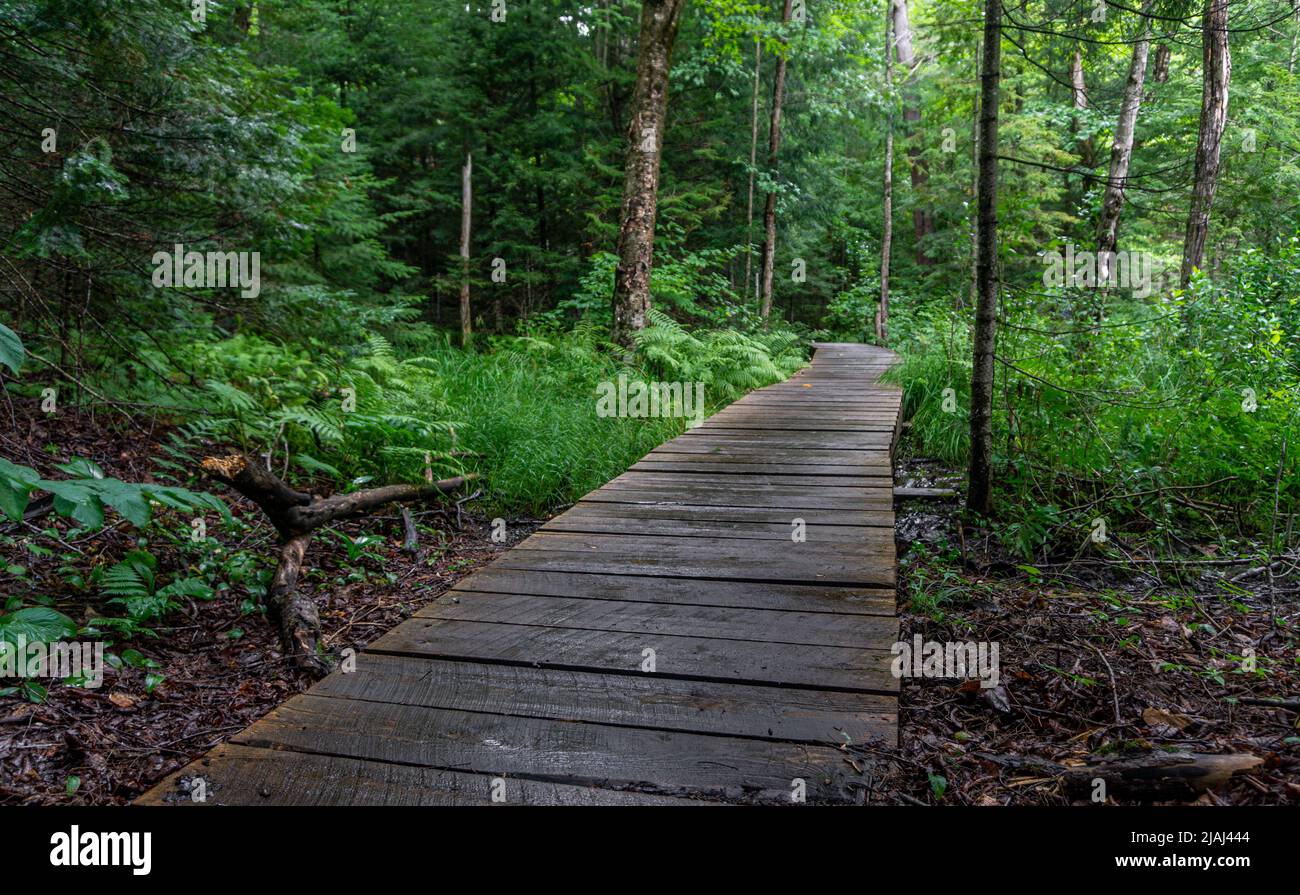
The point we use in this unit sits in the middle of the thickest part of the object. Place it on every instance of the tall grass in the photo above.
(518, 410)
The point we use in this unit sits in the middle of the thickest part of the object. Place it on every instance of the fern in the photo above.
(132, 578)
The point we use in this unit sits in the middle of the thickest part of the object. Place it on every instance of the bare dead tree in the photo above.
(466, 210)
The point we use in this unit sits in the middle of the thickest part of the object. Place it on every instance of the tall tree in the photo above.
(660, 20)
(1217, 65)
(979, 494)
(1079, 94)
(466, 213)
(773, 147)
(753, 160)
(1121, 152)
(922, 217)
(887, 192)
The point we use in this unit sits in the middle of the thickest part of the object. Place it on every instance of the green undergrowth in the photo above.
(1173, 415)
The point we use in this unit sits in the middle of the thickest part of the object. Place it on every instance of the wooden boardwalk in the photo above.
(529, 680)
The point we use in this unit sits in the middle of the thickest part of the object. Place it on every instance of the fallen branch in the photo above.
(924, 493)
(296, 515)
(1292, 705)
(1157, 775)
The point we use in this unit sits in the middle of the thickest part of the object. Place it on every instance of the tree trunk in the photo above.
(773, 146)
(1160, 71)
(887, 217)
(1295, 39)
(975, 191)
(1079, 94)
(636, 231)
(922, 217)
(466, 207)
(1122, 151)
(753, 160)
(979, 495)
(1217, 63)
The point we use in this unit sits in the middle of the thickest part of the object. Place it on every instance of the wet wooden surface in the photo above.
(668, 640)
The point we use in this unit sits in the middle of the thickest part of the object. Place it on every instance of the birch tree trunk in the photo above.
(1217, 64)
(1079, 94)
(979, 495)
(636, 232)
(1121, 153)
(773, 146)
(466, 209)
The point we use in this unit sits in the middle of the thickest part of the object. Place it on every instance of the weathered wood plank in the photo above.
(703, 463)
(580, 519)
(699, 658)
(642, 479)
(722, 513)
(791, 597)
(605, 756)
(730, 560)
(739, 498)
(758, 625)
(815, 717)
(245, 775)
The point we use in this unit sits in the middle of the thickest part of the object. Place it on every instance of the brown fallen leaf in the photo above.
(1157, 718)
(123, 700)
(997, 698)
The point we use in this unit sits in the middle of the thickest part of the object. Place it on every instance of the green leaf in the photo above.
(129, 500)
(76, 500)
(137, 659)
(16, 485)
(72, 784)
(187, 587)
(938, 785)
(12, 353)
(81, 468)
(38, 624)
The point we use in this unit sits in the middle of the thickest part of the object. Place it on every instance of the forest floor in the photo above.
(1096, 661)
(220, 659)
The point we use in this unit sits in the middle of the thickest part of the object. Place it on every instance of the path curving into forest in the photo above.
(530, 681)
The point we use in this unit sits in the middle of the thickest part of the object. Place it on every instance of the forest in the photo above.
(312, 308)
